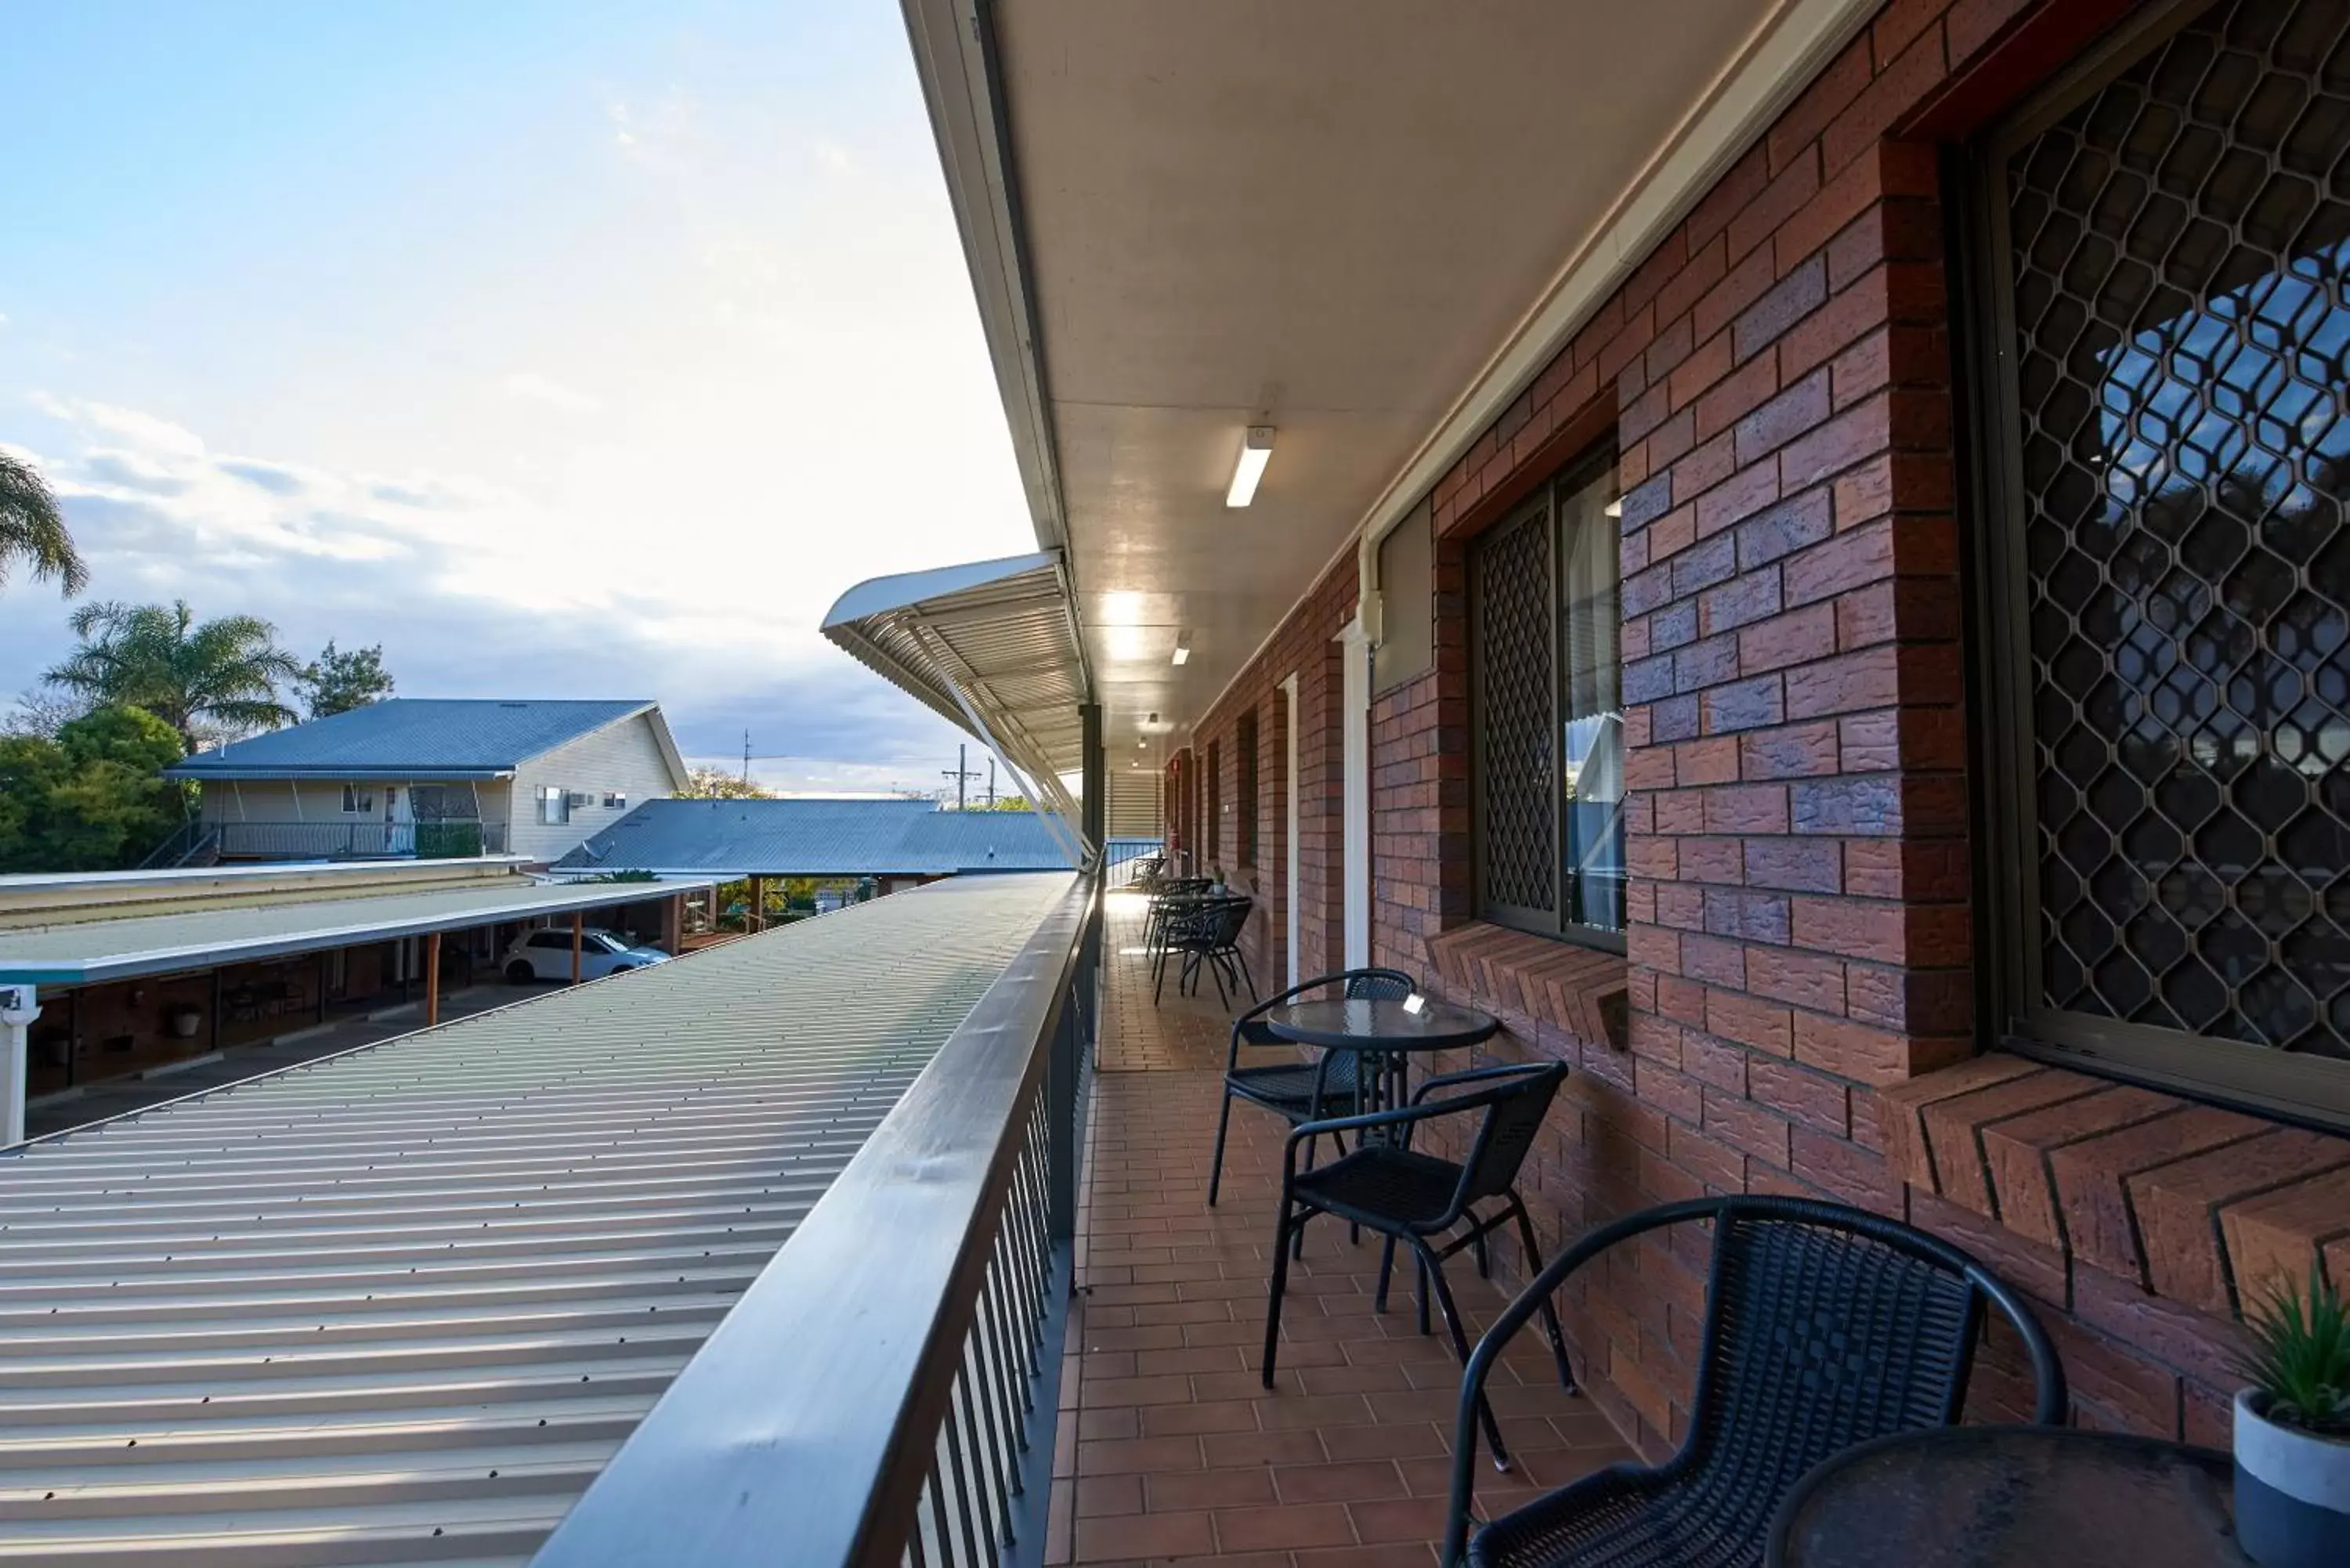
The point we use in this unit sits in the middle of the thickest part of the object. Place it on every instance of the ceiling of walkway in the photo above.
(1325, 215)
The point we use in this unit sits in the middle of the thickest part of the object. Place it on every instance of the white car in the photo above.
(546, 955)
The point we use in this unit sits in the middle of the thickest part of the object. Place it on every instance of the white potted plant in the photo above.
(2293, 1430)
(1216, 880)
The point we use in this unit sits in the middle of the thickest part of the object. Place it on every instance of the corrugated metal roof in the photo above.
(70, 953)
(819, 838)
(990, 646)
(412, 736)
(401, 1306)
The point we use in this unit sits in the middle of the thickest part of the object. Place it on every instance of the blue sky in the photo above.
(565, 349)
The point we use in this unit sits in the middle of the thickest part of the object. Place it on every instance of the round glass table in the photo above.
(1383, 1031)
(2003, 1497)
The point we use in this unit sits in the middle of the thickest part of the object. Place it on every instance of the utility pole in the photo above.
(747, 758)
(960, 771)
(991, 783)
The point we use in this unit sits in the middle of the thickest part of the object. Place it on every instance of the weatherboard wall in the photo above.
(623, 758)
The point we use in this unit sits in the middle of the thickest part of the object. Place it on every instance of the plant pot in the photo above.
(2292, 1492)
(183, 1022)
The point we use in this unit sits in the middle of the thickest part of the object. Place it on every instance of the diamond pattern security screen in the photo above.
(1545, 626)
(2173, 578)
(1516, 674)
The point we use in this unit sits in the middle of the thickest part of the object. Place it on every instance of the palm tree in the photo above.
(31, 529)
(199, 678)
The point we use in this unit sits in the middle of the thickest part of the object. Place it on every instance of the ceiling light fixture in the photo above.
(1256, 451)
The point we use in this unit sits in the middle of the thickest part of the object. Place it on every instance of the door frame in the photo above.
(1354, 702)
(1290, 888)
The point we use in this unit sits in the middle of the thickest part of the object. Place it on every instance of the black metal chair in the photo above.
(1207, 936)
(1296, 1091)
(1166, 899)
(1824, 1327)
(1415, 1198)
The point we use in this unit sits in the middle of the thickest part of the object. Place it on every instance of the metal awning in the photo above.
(401, 1306)
(993, 648)
(83, 951)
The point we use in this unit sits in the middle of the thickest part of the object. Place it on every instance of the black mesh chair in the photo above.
(1296, 1091)
(1415, 1198)
(1207, 936)
(1824, 1327)
(1166, 900)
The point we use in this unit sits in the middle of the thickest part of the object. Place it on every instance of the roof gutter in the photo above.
(332, 772)
(955, 56)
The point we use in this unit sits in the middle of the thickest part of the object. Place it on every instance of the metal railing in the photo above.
(188, 842)
(359, 839)
(1120, 855)
(884, 1394)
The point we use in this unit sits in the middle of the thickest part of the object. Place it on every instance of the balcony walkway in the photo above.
(1170, 1448)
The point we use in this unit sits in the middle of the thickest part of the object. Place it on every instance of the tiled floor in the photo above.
(1172, 1449)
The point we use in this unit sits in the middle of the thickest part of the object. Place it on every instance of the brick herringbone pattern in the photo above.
(1171, 1449)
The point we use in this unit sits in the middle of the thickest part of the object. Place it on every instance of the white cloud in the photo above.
(531, 387)
(833, 156)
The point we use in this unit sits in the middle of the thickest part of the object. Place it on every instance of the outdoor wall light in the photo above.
(1182, 653)
(1256, 451)
(1614, 508)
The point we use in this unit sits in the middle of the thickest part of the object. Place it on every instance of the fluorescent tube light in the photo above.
(1256, 451)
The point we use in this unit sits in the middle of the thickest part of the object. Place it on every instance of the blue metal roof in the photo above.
(819, 838)
(410, 736)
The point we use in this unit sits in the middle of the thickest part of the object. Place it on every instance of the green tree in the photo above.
(337, 683)
(32, 530)
(202, 679)
(92, 799)
(717, 784)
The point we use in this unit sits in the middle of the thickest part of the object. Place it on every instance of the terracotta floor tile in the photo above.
(1352, 1481)
(1145, 1536)
(1101, 1495)
(1285, 1527)
(1238, 1487)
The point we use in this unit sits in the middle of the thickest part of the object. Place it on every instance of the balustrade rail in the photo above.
(884, 1394)
(359, 839)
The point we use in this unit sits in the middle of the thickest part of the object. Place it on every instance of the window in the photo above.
(1545, 687)
(2164, 570)
(1215, 786)
(554, 805)
(358, 800)
(617, 800)
(548, 940)
(1244, 784)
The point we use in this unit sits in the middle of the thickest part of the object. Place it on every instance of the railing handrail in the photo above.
(806, 1426)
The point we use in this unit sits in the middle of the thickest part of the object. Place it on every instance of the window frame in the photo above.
(1212, 781)
(2010, 1012)
(1246, 736)
(1539, 509)
(359, 800)
(554, 806)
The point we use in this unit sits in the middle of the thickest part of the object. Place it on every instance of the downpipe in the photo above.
(19, 1010)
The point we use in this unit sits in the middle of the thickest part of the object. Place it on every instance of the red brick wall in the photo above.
(1798, 993)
